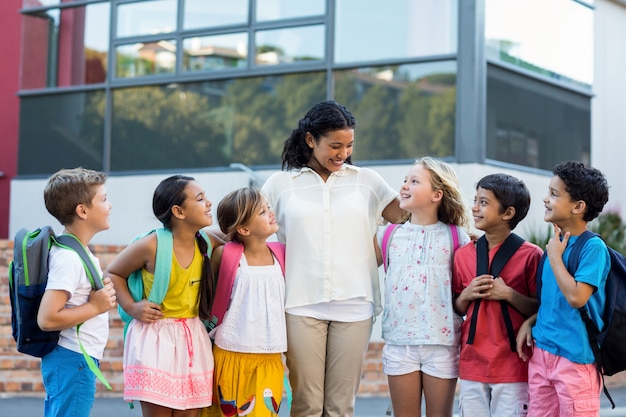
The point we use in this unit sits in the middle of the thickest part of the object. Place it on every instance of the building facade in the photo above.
(144, 89)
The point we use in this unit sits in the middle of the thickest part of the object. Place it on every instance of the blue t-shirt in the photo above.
(560, 329)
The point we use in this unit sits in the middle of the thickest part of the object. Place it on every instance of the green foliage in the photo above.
(611, 227)
(540, 236)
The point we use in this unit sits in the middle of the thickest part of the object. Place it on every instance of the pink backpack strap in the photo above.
(278, 249)
(455, 236)
(389, 230)
(229, 263)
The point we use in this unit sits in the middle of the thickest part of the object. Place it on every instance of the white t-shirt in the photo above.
(66, 272)
(329, 230)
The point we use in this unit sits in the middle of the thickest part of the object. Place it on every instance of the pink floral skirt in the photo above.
(169, 363)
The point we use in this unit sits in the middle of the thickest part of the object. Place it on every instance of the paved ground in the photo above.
(365, 407)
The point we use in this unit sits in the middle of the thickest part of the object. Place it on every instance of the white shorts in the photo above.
(434, 360)
(501, 399)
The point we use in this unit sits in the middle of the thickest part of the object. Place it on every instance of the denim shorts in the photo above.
(70, 385)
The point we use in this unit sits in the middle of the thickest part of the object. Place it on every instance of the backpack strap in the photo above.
(592, 330)
(454, 233)
(231, 255)
(278, 250)
(162, 270)
(506, 250)
(389, 231)
(71, 242)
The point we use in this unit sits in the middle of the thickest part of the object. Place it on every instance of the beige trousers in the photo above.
(325, 361)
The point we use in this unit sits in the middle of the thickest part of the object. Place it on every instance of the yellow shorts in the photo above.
(246, 384)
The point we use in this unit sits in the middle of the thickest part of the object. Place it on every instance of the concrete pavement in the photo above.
(365, 406)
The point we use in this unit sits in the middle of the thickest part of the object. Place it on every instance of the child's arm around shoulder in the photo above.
(216, 237)
(53, 314)
(139, 254)
(216, 259)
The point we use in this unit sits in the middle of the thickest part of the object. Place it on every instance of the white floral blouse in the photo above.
(418, 307)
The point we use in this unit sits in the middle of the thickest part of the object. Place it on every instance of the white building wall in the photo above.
(131, 197)
(608, 115)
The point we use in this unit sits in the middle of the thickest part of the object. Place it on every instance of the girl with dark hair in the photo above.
(168, 364)
(327, 210)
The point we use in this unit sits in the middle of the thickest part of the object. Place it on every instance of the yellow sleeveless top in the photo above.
(181, 300)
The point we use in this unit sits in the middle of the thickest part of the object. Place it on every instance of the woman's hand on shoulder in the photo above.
(217, 237)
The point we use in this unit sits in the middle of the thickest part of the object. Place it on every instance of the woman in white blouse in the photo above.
(328, 211)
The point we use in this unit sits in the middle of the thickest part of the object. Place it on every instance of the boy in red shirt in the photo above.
(493, 379)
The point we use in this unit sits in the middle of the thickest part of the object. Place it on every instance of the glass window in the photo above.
(65, 47)
(212, 13)
(44, 3)
(403, 111)
(146, 58)
(282, 46)
(39, 46)
(209, 124)
(61, 131)
(368, 30)
(534, 124)
(146, 18)
(287, 9)
(208, 53)
(549, 37)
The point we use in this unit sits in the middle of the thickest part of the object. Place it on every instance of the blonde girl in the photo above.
(420, 328)
(168, 364)
(252, 336)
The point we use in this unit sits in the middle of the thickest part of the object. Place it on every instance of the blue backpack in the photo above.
(28, 277)
(609, 343)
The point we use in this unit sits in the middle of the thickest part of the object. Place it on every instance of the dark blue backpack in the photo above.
(609, 343)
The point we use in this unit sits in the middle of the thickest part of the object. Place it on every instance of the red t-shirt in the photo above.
(490, 359)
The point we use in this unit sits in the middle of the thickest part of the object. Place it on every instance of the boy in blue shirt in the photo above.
(562, 377)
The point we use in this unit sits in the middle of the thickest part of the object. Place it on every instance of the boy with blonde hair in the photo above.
(78, 200)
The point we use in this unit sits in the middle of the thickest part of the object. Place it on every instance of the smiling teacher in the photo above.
(328, 210)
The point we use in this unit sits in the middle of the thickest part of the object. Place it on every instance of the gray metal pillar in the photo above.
(471, 107)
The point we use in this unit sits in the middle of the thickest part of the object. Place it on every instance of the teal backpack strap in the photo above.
(162, 270)
(163, 266)
(71, 242)
(209, 249)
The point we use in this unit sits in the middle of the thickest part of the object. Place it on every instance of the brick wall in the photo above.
(20, 374)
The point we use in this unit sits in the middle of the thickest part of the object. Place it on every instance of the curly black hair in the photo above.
(322, 118)
(584, 183)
